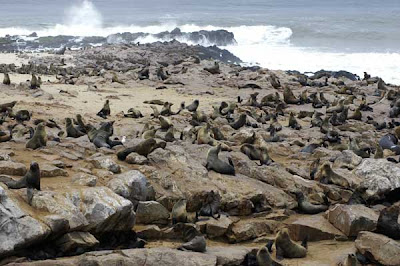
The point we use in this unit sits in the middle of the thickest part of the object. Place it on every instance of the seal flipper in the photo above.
(231, 162)
(304, 242)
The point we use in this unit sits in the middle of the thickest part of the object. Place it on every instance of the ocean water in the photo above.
(304, 35)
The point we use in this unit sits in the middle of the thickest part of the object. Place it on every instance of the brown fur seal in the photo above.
(5, 106)
(179, 213)
(22, 115)
(105, 111)
(39, 138)
(169, 136)
(72, 132)
(214, 69)
(388, 222)
(34, 82)
(326, 175)
(241, 121)
(31, 180)
(197, 244)
(144, 148)
(81, 125)
(4, 137)
(133, 113)
(193, 106)
(288, 96)
(357, 115)
(307, 207)
(6, 79)
(155, 113)
(256, 153)
(165, 123)
(214, 163)
(211, 206)
(316, 120)
(264, 258)
(149, 133)
(286, 248)
(226, 108)
(274, 80)
(116, 79)
(293, 122)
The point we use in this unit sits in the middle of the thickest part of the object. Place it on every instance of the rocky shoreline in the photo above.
(258, 152)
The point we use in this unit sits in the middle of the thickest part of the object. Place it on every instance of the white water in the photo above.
(266, 45)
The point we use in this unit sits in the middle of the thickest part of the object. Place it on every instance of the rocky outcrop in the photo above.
(352, 219)
(378, 248)
(12, 168)
(94, 209)
(74, 240)
(379, 177)
(131, 185)
(105, 162)
(151, 212)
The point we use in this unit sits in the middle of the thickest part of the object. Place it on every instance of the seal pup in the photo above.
(307, 207)
(388, 222)
(286, 248)
(105, 111)
(193, 106)
(256, 153)
(71, 130)
(179, 213)
(39, 138)
(264, 258)
(6, 79)
(219, 166)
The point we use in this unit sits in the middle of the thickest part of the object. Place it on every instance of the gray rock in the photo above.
(378, 248)
(105, 162)
(47, 170)
(18, 228)
(12, 168)
(352, 219)
(379, 177)
(216, 228)
(131, 185)
(229, 256)
(250, 229)
(84, 179)
(135, 158)
(96, 209)
(71, 241)
(151, 212)
(347, 159)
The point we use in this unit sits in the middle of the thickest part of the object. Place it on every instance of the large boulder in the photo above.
(18, 229)
(250, 229)
(151, 212)
(315, 227)
(229, 256)
(347, 159)
(378, 248)
(214, 228)
(131, 185)
(352, 219)
(12, 168)
(71, 241)
(94, 209)
(379, 177)
(47, 170)
(105, 162)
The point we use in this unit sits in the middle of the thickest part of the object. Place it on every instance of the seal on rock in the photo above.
(388, 222)
(193, 106)
(179, 213)
(307, 207)
(39, 138)
(216, 164)
(256, 153)
(71, 130)
(264, 258)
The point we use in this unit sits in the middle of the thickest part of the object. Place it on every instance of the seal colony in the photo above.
(204, 154)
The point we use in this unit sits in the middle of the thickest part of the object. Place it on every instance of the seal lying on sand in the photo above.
(214, 163)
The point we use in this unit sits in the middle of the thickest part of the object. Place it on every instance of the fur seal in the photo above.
(214, 163)
(39, 138)
(144, 73)
(71, 130)
(144, 148)
(31, 180)
(389, 142)
(307, 207)
(357, 115)
(155, 113)
(149, 133)
(193, 106)
(161, 74)
(179, 213)
(115, 79)
(326, 175)
(6, 79)
(22, 115)
(197, 244)
(241, 121)
(165, 123)
(288, 96)
(133, 113)
(81, 125)
(274, 80)
(264, 258)
(226, 108)
(34, 82)
(105, 111)
(6, 137)
(211, 205)
(169, 136)
(293, 122)
(388, 222)
(5, 106)
(286, 248)
(256, 153)
(214, 69)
